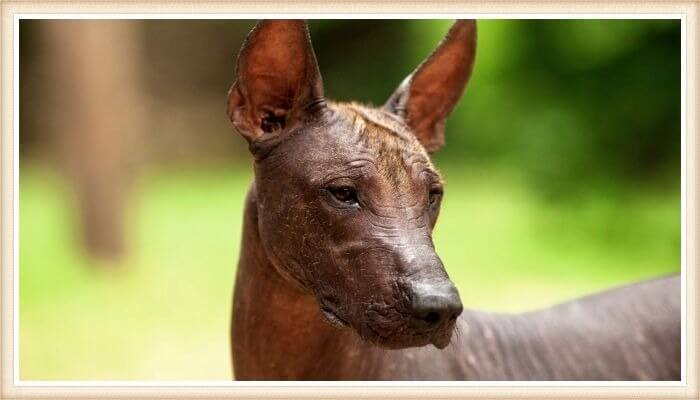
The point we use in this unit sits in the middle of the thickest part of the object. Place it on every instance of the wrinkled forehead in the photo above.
(382, 139)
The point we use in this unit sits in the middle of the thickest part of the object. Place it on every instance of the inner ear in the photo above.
(427, 96)
(278, 83)
(272, 121)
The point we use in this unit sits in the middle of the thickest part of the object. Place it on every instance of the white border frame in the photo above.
(322, 15)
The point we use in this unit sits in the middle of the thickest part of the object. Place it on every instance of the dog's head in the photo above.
(347, 195)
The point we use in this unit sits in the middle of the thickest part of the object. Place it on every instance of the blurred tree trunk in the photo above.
(98, 108)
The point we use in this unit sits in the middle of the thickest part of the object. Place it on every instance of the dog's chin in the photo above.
(442, 339)
(402, 343)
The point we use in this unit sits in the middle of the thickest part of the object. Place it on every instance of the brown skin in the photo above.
(337, 262)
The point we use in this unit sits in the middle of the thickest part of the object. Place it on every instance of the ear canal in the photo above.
(427, 96)
(278, 82)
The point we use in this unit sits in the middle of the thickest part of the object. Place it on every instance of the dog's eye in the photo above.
(345, 194)
(434, 196)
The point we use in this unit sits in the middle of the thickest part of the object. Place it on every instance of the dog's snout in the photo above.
(432, 304)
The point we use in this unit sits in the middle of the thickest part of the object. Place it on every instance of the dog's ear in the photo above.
(278, 83)
(426, 97)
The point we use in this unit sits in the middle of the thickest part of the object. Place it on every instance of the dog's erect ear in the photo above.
(426, 97)
(278, 83)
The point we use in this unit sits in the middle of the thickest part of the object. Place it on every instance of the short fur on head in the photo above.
(346, 194)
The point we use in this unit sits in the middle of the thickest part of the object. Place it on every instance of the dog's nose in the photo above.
(434, 303)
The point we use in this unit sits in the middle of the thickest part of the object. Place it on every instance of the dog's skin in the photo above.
(338, 277)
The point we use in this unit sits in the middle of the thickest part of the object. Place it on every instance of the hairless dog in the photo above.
(338, 277)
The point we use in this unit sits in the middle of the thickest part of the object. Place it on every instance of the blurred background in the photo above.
(562, 170)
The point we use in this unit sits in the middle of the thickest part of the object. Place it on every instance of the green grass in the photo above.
(163, 313)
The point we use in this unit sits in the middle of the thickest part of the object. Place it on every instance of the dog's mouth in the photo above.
(438, 339)
(391, 336)
(403, 336)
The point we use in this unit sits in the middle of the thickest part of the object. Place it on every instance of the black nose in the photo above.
(434, 303)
